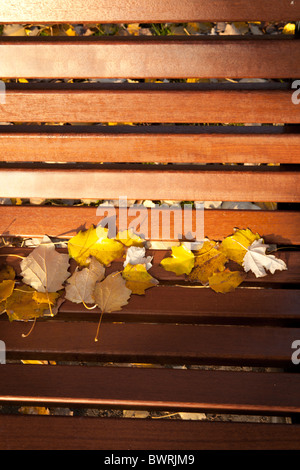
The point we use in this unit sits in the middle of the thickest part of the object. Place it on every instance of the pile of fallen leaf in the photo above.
(45, 280)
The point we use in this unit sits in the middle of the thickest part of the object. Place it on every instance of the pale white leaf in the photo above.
(136, 255)
(45, 269)
(257, 261)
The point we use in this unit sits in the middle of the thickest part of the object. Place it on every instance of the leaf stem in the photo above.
(30, 331)
(89, 308)
(97, 334)
(16, 256)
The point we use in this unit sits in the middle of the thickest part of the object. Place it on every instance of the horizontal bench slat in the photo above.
(112, 11)
(63, 433)
(150, 57)
(152, 183)
(65, 222)
(158, 389)
(291, 258)
(189, 103)
(169, 304)
(178, 145)
(153, 343)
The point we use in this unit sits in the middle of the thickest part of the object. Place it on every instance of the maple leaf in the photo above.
(235, 246)
(208, 260)
(181, 262)
(45, 269)
(138, 279)
(81, 285)
(256, 260)
(226, 281)
(94, 242)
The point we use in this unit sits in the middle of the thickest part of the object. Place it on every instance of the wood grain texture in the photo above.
(281, 227)
(63, 433)
(181, 103)
(152, 389)
(141, 145)
(112, 11)
(150, 57)
(153, 184)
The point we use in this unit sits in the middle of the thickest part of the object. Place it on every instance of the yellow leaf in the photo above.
(45, 298)
(289, 28)
(71, 31)
(226, 281)
(22, 306)
(181, 262)
(34, 410)
(7, 273)
(133, 28)
(138, 279)
(129, 238)
(94, 242)
(235, 246)
(6, 289)
(207, 261)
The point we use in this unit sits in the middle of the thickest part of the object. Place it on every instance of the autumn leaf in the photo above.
(235, 246)
(81, 285)
(111, 295)
(208, 260)
(7, 273)
(226, 281)
(256, 260)
(94, 242)
(45, 269)
(6, 290)
(181, 262)
(138, 279)
(129, 238)
(22, 306)
(137, 255)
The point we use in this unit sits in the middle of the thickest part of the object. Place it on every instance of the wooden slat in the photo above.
(63, 433)
(164, 389)
(152, 183)
(152, 103)
(150, 57)
(143, 145)
(187, 305)
(112, 11)
(153, 343)
(291, 258)
(281, 227)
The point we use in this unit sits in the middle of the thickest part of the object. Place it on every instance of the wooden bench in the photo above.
(180, 341)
